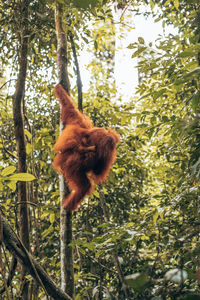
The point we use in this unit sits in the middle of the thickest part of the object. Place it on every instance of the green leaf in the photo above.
(96, 194)
(132, 46)
(195, 101)
(28, 148)
(28, 134)
(152, 4)
(47, 231)
(82, 251)
(130, 224)
(153, 120)
(21, 177)
(105, 242)
(186, 53)
(140, 40)
(159, 93)
(78, 297)
(52, 218)
(85, 4)
(91, 246)
(95, 45)
(165, 119)
(8, 170)
(104, 225)
(138, 52)
(167, 2)
(155, 217)
(12, 185)
(176, 4)
(137, 281)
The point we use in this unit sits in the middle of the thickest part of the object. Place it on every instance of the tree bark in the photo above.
(19, 131)
(67, 269)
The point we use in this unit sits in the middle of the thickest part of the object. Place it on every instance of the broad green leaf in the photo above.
(186, 53)
(52, 218)
(104, 225)
(28, 134)
(96, 193)
(140, 40)
(159, 93)
(152, 4)
(91, 246)
(21, 177)
(137, 281)
(138, 52)
(82, 251)
(28, 148)
(132, 46)
(84, 4)
(47, 231)
(167, 2)
(128, 225)
(106, 242)
(12, 185)
(8, 170)
(176, 4)
(78, 297)
(144, 237)
(45, 214)
(165, 119)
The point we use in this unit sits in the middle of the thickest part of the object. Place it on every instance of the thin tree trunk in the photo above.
(78, 80)
(19, 133)
(67, 269)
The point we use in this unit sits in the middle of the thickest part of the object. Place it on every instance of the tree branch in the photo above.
(15, 246)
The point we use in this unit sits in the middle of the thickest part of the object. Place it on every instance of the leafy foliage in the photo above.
(152, 192)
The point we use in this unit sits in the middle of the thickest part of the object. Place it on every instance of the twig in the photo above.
(6, 83)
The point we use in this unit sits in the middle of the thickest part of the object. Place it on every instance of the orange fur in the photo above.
(81, 150)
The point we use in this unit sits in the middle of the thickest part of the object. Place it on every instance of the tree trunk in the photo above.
(78, 74)
(19, 133)
(67, 270)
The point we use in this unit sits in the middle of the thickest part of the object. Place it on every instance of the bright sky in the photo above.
(125, 67)
(125, 72)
